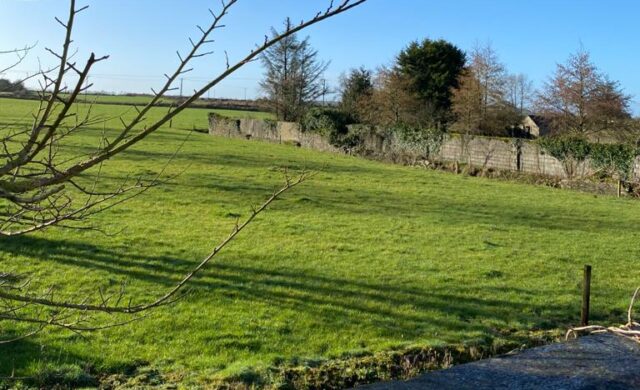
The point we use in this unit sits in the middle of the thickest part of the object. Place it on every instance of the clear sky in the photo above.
(141, 36)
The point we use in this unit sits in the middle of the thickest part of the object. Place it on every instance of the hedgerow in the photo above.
(607, 159)
(613, 159)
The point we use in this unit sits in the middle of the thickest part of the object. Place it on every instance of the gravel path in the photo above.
(591, 362)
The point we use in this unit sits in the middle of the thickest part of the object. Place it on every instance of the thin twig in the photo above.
(630, 330)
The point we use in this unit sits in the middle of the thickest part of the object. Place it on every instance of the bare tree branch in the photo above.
(60, 317)
(31, 172)
(44, 184)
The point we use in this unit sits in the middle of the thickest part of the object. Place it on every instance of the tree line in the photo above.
(434, 85)
(13, 87)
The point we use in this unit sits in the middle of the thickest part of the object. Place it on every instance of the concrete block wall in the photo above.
(258, 129)
(636, 169)
(481, 152)
(224, 127)
(288, 132)
(492, 153)
(534, 160)
(453, 149)
(505, 154)
(271, 131)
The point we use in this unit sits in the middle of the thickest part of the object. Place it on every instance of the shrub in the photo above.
(612, 159)
(566, 148)
(608, 159)
(331, 123)
(424, 142)
(325, 121)
(570, 151)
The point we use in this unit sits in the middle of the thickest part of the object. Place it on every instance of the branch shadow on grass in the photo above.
(388, 308)
(394, 306)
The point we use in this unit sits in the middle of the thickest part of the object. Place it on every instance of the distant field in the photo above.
(142, 100)
(366, 257)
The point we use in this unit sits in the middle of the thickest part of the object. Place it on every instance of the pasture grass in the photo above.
(200, 103)
(365, 257)
(10, 109)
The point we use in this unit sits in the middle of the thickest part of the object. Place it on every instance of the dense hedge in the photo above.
(608, 159)
(425, 141)
(565, 148)
(613, 159)
(332, 123)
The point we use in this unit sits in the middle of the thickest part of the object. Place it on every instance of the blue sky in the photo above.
(141, 35)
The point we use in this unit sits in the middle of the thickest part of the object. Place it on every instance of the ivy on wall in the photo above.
(331, 123)
(612, 159)
(426, 142)
(608, 159)
(566, 148)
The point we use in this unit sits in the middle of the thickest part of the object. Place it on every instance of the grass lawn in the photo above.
(366, 257)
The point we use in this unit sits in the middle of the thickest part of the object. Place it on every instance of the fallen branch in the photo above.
(630, 330)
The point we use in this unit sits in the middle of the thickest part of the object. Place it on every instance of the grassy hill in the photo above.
(366, 257)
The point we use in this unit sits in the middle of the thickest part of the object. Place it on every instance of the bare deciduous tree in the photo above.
(520, 92)
(467, 103)
(491, 74)
(393, 101)
(481, 100)
(579, 99)
(18, 56)
(40, 186)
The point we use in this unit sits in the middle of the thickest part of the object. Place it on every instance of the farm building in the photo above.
(535, 125)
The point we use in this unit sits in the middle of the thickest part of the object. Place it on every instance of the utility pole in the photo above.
(181, 83)
(324, 89)
(245, 93)
(86, 90)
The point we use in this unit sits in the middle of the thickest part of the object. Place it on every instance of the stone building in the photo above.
(535, 126)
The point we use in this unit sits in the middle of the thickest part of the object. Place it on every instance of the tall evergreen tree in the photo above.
(356, 93)
(293, 75)
(432, 68)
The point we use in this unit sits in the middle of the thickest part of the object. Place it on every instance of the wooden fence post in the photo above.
(586, 295)
(619, 188)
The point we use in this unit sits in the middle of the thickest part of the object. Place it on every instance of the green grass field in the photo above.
(366, 257)
(144, 99)
(191, 117)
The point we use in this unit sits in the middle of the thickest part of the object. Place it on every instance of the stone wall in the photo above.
(481, 152)
(266, 130)
(503, 154)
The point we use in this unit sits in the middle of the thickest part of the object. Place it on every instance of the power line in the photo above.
(140, 77)
(135, 84)
(124, 76)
